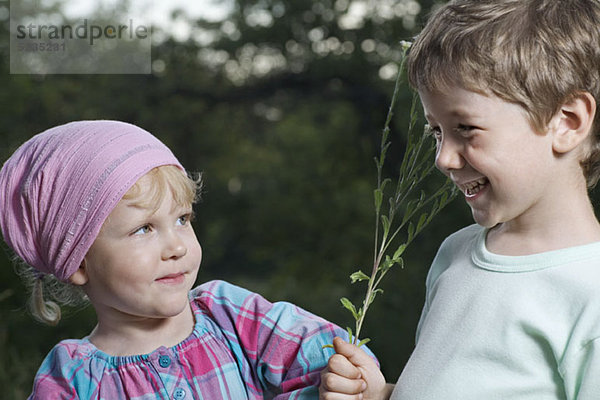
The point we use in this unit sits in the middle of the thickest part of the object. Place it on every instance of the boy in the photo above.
(509, 89)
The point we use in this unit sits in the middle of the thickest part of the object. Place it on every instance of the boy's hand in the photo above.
(352, 374)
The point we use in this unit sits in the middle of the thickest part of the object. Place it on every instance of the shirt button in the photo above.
(164, 361)
(179, 394)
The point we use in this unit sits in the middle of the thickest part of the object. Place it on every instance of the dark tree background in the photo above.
(281, 106)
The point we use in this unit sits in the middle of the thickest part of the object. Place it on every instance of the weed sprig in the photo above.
(409, 208)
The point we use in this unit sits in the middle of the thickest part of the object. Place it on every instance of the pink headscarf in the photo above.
(57, 189)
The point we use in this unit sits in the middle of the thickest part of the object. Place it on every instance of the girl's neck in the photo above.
(142, 335)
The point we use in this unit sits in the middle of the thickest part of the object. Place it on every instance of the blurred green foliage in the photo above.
(282, 109)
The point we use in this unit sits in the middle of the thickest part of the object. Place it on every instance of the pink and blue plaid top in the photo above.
(242, 347)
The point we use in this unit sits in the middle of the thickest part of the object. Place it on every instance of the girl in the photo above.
(104, 207)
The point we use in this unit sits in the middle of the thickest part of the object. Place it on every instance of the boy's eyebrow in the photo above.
(461, 112)
(457, 113)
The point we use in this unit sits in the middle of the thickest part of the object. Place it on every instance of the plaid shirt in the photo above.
(242, 347)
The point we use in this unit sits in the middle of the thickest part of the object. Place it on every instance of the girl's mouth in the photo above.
(172, 279)
(472, 188)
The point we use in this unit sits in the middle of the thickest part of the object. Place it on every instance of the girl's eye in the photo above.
(142, 230)
(184, 219)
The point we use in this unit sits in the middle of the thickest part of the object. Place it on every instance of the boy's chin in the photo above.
(485, 221)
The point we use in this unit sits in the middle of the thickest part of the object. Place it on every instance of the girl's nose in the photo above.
(448, 156)
(174, 246)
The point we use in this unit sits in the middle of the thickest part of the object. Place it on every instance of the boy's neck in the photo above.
(573, 223)
(142, 336)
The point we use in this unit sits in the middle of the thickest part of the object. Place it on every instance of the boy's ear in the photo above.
(79, 277)
(573, 122)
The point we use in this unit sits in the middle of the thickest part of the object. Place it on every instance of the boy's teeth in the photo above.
(472, 188)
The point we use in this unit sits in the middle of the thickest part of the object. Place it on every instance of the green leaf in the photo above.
(385, 221)
(409, 209)
(364, 341)
(421, 222)
(386, 264)
(384, 183)
(443, 199)
(399, 251)
(327, 346)
(359, 276)
(384, 150)
(349, 306)
(435, 208)
(378, 163)
(400, 262)
(378, 195)
(350, 335)
(374, 294)
(411, 232)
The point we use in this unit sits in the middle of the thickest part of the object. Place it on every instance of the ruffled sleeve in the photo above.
(60, 373)
(280, 344)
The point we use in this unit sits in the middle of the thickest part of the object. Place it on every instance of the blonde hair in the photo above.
(184, 189)
(535, 53)
(48, 293)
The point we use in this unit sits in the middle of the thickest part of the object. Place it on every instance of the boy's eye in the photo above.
(142, 230)
(433, 131)
(462, 129)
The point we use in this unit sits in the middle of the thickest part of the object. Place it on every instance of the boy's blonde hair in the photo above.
(168, 178)
(535, 53)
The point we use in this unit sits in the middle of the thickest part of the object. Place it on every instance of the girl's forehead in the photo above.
(149, 196)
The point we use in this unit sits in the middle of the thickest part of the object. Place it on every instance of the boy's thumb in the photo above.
(354, 354)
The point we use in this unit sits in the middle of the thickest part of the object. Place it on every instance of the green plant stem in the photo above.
(377, 255)
(416, 165)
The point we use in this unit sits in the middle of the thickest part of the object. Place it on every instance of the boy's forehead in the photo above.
(455, 97)
(456, 102)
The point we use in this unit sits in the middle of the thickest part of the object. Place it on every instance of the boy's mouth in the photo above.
(472, 188)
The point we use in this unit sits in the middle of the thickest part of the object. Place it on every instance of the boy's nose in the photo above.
(174, 246)
(448, 156)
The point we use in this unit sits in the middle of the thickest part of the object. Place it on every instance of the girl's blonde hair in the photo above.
(185, 190)
(48, 293)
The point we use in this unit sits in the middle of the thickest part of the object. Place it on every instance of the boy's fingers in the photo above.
(354, 354)
(340, 365)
